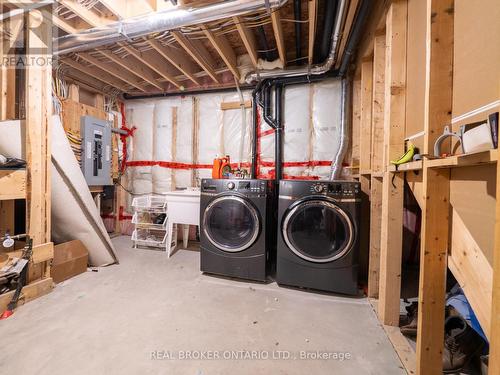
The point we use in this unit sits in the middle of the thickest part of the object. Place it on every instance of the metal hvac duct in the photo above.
(318, 72)
(157, 22)
(313, 70)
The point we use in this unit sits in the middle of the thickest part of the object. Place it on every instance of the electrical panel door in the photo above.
(96, 150)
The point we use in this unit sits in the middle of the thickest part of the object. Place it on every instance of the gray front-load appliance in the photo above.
(318, 235)
(238, 227)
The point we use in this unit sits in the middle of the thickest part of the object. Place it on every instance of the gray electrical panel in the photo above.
(96, 150)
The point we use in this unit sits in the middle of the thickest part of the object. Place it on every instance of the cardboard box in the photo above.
(70, 259)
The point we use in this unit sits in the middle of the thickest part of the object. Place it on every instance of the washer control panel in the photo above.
(251, 186)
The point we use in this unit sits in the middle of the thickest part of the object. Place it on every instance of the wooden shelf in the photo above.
(410, 166)
(464, 160)
(12, 184)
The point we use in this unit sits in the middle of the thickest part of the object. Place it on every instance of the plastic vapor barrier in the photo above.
(177, 138)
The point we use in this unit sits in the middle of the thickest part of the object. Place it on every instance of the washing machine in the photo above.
(238, 228)
(318, 235)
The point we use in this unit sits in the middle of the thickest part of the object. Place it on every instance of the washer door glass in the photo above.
(318, 230)
(231, 223)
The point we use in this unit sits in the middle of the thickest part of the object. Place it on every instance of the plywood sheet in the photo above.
(472, 195)
(477, 53)
(415, 72)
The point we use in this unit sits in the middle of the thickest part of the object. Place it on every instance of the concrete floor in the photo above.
(118, 320)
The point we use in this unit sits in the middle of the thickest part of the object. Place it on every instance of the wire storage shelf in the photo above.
(149, 203)
(149, 237)
(156, 220)
(151, 222)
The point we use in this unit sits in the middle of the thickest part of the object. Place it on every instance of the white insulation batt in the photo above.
(166, 132)
(74, 213)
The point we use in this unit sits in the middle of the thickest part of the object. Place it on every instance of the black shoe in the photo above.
(461, 344)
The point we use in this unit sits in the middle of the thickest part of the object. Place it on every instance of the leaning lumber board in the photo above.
(28, 293)
(41, 253)
(12, 184)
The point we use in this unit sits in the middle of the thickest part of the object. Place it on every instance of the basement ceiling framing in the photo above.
(206, 56)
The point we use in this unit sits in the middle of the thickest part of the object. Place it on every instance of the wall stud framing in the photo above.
(392, 195)
(436, 188)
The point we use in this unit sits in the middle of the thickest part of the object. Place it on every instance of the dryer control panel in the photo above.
(246, 187)
(334, 189)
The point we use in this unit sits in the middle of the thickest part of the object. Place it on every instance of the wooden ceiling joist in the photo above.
(63, 25)
(313, 9)
(248, 39)
(177, 58)
(97, 74)
(93, 19)
(278, 35)
(150, 60)
(353, 6)
(83, 80)
(113, 70)
(135, 67)
(117, 7)
(223, 48)
(196, 54)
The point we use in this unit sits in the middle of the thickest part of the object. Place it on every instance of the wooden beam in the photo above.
(7, 219)
(235, 105)
(195, 54)
(356, 121)
(117, 7)
(63, 25)
(436, 188)
(12, 184)
(353, 6)
(177, 58)
(378, 104)
(392, 189)
(375, 231)
(365, 140)
(223, 48)
(3, 80)
(99, 101)
(472, 270)
(28, 293)
(84, 81)
(248, 39)
(313, 9)
(74, 92)
(96, 73)
(113, 70)
(364, 230)
(494, 361)
(133, 66)
(278, 32)
(41, 253)
(153, 62)
(10, 30)
(93, 19)
(38, 131)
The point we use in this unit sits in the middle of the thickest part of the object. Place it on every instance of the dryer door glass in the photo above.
(318, 231)
(231, 223)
